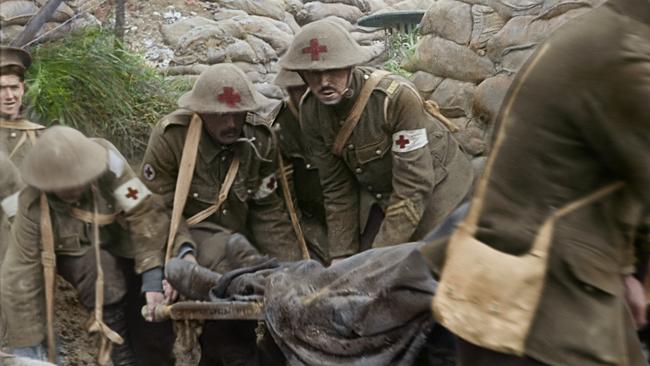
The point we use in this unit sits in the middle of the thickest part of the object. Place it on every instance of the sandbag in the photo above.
(470, 135)
(240, 50)
(486, 22)
(265, 29)
(488, 97)
(454, 98)
(316, 10)
(10, 32)
(412, 5)
(192, 30)
(362, 5)
(17, 12)
(448, 59)
(265, 8)
(62, 13)
(449, 19)
(270, 90)
(263, 51)
(425, 83)
(508, 8)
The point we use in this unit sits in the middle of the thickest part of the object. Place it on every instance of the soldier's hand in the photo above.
(170, 294)
(635, 297)
(153, 299)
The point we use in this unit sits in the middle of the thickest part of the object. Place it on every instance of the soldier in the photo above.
(573, 128)
(17, 135)
(230, 188)
(389, 170)
(299, 167)
(76, 186)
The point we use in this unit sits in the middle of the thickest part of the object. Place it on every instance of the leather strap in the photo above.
(21, 124)
(353, 118)
(223, 194)
(48, 259)
(25, 135)
(92, 218)
(432, 108)
(293, 109)
(185, 173)
(107, 335)
(293, 215)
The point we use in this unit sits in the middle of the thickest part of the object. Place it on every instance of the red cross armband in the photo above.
(409, 140)
(130, 194)
(268, 186)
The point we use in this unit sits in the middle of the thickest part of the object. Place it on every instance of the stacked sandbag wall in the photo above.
(469, 51)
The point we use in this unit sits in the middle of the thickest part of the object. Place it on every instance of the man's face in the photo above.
(12, 90)
(71, 195)
(225, 128)
(329, 86)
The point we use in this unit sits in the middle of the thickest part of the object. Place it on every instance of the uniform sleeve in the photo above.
(340, 192)
(23, 298)
(413, 176)
(144, 212)
(159, 171)
(622, 140)
(10, 185)
(269, 219)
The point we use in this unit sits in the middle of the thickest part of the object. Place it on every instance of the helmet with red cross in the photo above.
(223, 88)
(323, 45)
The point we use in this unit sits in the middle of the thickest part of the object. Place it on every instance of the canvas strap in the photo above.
(353, 118)
(48, 260)
(20, 124)
(91, 217)
(223, 194)
(185, 173)
(31, 134)
(432, 108)
(293, 215)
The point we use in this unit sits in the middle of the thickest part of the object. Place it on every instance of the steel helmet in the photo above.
(323, 45)
(287, 79)
(63, 158)
(223, 88)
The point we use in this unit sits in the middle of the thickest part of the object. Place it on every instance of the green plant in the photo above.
(89, 81)
(401, 49)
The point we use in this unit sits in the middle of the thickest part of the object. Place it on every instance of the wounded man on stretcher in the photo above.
(373, 308)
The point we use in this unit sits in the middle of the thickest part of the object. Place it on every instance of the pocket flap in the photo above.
(594, 269)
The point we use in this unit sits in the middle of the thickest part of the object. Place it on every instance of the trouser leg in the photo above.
(81, 273)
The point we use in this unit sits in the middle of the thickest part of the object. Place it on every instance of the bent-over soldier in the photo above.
(75, 186)
(389, 169)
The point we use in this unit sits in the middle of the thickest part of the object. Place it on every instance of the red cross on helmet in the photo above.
(323, 45)
(222, 88)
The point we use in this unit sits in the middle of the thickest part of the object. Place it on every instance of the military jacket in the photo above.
(398, 156)
(138, 231)
(253, 206)
(10, 185)
(579, 121)
(303, 177)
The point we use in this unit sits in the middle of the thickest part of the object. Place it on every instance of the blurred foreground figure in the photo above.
(540, 271)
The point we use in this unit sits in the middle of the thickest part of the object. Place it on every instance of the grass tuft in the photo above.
(89, 81)
(401, 50)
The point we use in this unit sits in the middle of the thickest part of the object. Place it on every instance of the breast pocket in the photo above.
(373, 151)
(68, 244)
(200, 197)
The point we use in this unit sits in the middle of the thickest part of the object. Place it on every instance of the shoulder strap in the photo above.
(223, 194)
(20, 124)
(432, 108)
(48, 259)
(357, 110)
(92, 218)
(184, 179)
(293, 215)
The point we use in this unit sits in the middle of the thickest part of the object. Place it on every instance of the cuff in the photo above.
(152, 280)
(186, 248)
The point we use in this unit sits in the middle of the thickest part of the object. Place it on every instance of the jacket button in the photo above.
(366, 76)
(249, 191)
(13, 134)
(358, 170)
(370, 188)
(379, 196)
(223, 158)
(351, 147)
(195, 195)
(224, 211)
(308, 166)
(378, 152)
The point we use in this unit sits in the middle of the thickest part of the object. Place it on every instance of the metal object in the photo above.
(401, 21)
(193, 310)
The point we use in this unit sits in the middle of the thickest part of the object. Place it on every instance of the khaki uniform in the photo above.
(303, 176)
(138, 232)
(253, 206)
(15, 142)
(399, 158)
(579, 122)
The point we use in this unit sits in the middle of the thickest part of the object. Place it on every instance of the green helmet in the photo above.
(287, 79)
(323, 45)
(63, 158)
(223, 88)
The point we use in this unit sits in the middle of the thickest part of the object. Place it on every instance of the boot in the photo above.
(115, 318)
(190, 279)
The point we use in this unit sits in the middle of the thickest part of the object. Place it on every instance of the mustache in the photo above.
(230, 131)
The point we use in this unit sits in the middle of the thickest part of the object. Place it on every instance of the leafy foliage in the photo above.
(401, 49)
(89, 81)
